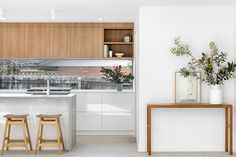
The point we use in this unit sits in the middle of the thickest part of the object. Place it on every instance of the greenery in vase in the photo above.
(213, 64)
(115, 75)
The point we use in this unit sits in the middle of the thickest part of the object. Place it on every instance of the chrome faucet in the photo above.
(48, 87)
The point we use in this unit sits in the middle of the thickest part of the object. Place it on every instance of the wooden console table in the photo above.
(228, 121)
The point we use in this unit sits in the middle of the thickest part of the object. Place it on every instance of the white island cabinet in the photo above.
(41, 104)
(106, 113)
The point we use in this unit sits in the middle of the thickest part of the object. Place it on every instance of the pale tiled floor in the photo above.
(109, 146)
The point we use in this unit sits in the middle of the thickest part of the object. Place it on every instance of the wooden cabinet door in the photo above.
(39, 41)
(14, 41)
(78, 42)
(93, 43)
(1, 42)
(60, 42)
(87, 42)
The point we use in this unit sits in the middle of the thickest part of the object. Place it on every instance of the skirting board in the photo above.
(184, 149)
(105, 133)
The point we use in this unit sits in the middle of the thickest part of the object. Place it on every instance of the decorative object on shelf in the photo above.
(127, 39)
(106, 51)
(213, 66)
(110, 53)
(187, 89)
(117, 76)
(120, 40)
(119, 54)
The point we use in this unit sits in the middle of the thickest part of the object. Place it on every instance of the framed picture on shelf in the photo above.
(187, 89)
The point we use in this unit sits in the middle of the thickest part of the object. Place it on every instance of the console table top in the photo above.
(197, 105)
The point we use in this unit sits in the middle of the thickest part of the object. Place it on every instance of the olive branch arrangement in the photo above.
(213, 64)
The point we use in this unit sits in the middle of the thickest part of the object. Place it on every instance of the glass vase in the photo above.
(119, 87)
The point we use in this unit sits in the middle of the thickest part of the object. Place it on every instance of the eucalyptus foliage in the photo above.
(213, 65)
(115, 75)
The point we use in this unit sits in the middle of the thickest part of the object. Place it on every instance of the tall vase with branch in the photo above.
(213, 65)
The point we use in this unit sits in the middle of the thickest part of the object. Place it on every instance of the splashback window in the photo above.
(75, 74)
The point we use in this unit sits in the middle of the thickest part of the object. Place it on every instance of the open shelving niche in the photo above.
(114, 38)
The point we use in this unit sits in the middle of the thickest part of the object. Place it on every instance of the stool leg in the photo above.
(28, 132)
(58, 136)
(37, 139)
(8, 135)
(25, 136)
(41, 136)
(62, 140)
(4, 136)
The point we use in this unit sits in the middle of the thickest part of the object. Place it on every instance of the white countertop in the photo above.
(4, 91)
(22, 95)
(102, 91)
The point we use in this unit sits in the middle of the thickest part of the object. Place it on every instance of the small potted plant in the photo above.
(213, 65)
(116, 76)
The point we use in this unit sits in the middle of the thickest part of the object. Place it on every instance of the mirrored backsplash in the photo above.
(75, 74)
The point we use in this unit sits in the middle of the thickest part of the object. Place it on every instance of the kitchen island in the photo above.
(41, 104)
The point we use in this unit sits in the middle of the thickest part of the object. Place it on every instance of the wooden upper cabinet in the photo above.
(60, 42)
(15, 41)
(93, 43)
(1, 42)
(87, 42)
(39, 40)
(55, 40)
(77, 42)
(24, 41)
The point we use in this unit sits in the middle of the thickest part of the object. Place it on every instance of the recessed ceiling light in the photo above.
(100, 19)
(2, 15)
(53, 14)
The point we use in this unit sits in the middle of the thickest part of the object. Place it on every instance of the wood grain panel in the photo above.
(14, 43)
(93, 43)
(87, 42)
(1, 42)
(77, 42)
(60, 42)
(39, 40)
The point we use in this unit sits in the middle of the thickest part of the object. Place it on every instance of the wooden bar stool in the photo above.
(16, 120)
(49, 120)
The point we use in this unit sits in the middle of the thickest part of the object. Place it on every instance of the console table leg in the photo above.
(149, 131)
(226, 129)
(231, 130)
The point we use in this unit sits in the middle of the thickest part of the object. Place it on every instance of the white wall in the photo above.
(69, 10)
(79, 14)
(87, 10)
(180, 129)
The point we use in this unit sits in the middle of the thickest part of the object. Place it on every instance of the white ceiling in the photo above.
(88, 10)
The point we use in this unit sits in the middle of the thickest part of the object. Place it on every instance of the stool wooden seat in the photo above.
(16, 120)
(13, 116)
(45, 119)
(46, 116)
